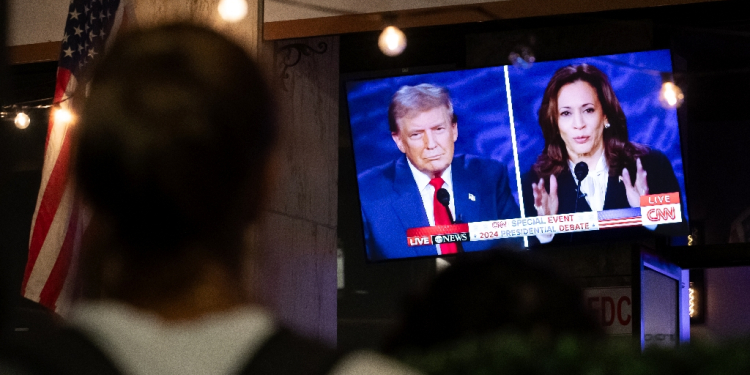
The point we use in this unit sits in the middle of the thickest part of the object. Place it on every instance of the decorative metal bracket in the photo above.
(291, 54)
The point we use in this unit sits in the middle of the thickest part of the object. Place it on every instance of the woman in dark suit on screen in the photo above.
(582, 121)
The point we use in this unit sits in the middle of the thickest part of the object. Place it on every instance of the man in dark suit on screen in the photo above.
(402, 194)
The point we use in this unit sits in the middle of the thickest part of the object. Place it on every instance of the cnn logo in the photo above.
(661, 214)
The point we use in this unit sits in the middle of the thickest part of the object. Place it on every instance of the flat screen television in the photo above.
(468, 160)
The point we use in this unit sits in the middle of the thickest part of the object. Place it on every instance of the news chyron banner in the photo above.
(660, 209)
(655, 209)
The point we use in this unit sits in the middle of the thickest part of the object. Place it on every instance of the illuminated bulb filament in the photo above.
(233, 10)
(22, 120)
(392, 41)
(670, 95)
(692, 302)
(63, 116)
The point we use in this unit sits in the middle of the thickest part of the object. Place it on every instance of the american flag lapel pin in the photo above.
(472, 197)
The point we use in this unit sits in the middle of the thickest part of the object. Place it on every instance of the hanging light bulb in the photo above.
(670, 95)
(22, 120)
(392, 41)
(63, 116)
(233, 10)
(692, 300)
(523, 57)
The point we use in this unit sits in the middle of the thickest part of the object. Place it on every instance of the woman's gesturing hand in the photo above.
(640, 188)
(545, 203)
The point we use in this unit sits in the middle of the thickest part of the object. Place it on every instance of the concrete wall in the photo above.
(299, 273)
(36, 21)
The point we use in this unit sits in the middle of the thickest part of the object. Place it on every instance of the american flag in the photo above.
(58, 221)
(624, 217)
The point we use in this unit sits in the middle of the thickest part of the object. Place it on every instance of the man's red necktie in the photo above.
(441, 215)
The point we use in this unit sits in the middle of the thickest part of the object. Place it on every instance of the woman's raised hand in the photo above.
(640, 188)
(545, 203)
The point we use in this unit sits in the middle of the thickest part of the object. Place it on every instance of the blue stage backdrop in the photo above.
(479, 100)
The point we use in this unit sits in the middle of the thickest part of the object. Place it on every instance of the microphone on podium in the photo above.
(444, 197)
(581, 170)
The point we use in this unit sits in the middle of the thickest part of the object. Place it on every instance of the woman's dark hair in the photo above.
(618, 150)
(172, 151)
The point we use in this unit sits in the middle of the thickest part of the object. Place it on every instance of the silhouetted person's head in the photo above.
(493, 293)
(172, 154)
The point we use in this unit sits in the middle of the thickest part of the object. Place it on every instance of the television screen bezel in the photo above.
(347, 78)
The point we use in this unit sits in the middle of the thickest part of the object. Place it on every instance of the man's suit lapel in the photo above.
(408, 202)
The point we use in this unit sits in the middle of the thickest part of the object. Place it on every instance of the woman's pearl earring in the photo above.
(606, 124)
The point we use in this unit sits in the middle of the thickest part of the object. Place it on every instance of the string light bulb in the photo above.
(392, 41)
(63, 116)
(22, 120)
(693, 309)
(670, 95)
(233, 10)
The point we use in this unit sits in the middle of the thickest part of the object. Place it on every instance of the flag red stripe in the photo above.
(123, 22)
(56, 279)
(48, 207)
(61, 86)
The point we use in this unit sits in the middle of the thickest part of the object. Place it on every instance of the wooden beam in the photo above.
(32, 53)
(448, 15)
(301, 28)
